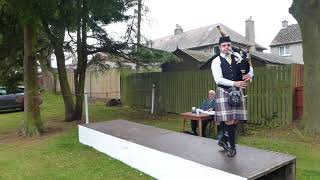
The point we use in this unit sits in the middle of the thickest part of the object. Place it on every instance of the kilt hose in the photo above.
(225, 112)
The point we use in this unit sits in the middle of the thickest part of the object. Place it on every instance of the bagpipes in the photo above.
(242, 58)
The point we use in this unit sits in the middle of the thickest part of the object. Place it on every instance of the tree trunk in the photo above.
(80, 73)
(54, 74)
(64, 84)
(307, 13)
(79, 95)
(32, 124)
(47, 73)
(57, 39)
(139, 22)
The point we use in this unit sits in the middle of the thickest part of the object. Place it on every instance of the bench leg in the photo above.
(183, 124)
(200, 128)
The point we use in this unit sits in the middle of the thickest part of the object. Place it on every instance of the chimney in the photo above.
(178, 30)
(250, 35)
(284, 23)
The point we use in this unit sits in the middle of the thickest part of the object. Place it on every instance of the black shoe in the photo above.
(231, 152)
(188, 132)
(224, 145)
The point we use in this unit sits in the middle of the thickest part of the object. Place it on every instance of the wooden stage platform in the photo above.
(165, 154)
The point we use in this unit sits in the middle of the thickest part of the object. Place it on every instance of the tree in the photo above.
(307, 13)
(27, 15)
(80, 72)
(88, 19)
(11, 48)
(80, 16)
(32, 124)
(55, 21)
(139, 22)
(92, 16)
(43, 56)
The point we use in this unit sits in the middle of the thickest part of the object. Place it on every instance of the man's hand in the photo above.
(240, 84)
(246, 77)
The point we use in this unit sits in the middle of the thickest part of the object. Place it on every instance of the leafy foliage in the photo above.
(11, 48)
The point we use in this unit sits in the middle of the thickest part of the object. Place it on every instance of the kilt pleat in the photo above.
(225, 112)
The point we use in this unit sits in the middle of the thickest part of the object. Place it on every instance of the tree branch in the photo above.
(48, 31)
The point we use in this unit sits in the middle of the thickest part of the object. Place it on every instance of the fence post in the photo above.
(152, 99)
(291, 98)
(86, 107)
(90, 89)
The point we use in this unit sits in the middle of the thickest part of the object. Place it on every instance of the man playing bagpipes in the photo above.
(232, 72)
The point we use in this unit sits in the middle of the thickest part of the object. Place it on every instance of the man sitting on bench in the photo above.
(207, 105)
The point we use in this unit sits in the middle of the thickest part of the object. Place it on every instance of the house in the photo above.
(288, 43)
(205, 40)
(189, 60)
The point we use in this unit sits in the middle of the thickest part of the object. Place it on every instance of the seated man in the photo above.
(207, 105)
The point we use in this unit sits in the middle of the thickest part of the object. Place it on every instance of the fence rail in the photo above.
(269, 98)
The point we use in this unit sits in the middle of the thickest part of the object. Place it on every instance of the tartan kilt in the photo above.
(225, 112)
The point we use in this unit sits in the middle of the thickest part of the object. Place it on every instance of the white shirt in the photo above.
(217, 72)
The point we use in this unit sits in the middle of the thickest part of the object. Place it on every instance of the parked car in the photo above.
(13, 99)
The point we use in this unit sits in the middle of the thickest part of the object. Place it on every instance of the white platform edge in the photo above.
(155, 163)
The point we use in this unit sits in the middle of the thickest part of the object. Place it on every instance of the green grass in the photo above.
(291, 141)
(9, 122)
(52, 107)
(59, 155)
(308, 156)
(62, 157)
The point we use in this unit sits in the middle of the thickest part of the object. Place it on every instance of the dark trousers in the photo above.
(221, 132)
(232, 135)
(227, 133)
(194, 125)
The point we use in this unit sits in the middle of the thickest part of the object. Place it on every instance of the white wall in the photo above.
(296, 52)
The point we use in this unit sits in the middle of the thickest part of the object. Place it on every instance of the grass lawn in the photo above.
(58, 154)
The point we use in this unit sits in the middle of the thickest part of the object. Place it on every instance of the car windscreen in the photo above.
(3, 92)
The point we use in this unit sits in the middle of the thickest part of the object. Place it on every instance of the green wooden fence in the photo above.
(269, 98)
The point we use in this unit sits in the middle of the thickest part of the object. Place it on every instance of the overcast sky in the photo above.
(192, 14)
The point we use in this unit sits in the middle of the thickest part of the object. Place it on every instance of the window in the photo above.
(3, 92)
(215, 49)
(15, 91)
(284, 51)
(20, 90)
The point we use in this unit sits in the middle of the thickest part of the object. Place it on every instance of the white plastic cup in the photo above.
(193, 110)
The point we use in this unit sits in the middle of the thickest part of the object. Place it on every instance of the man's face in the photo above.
(225, 47)
(211, 95)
